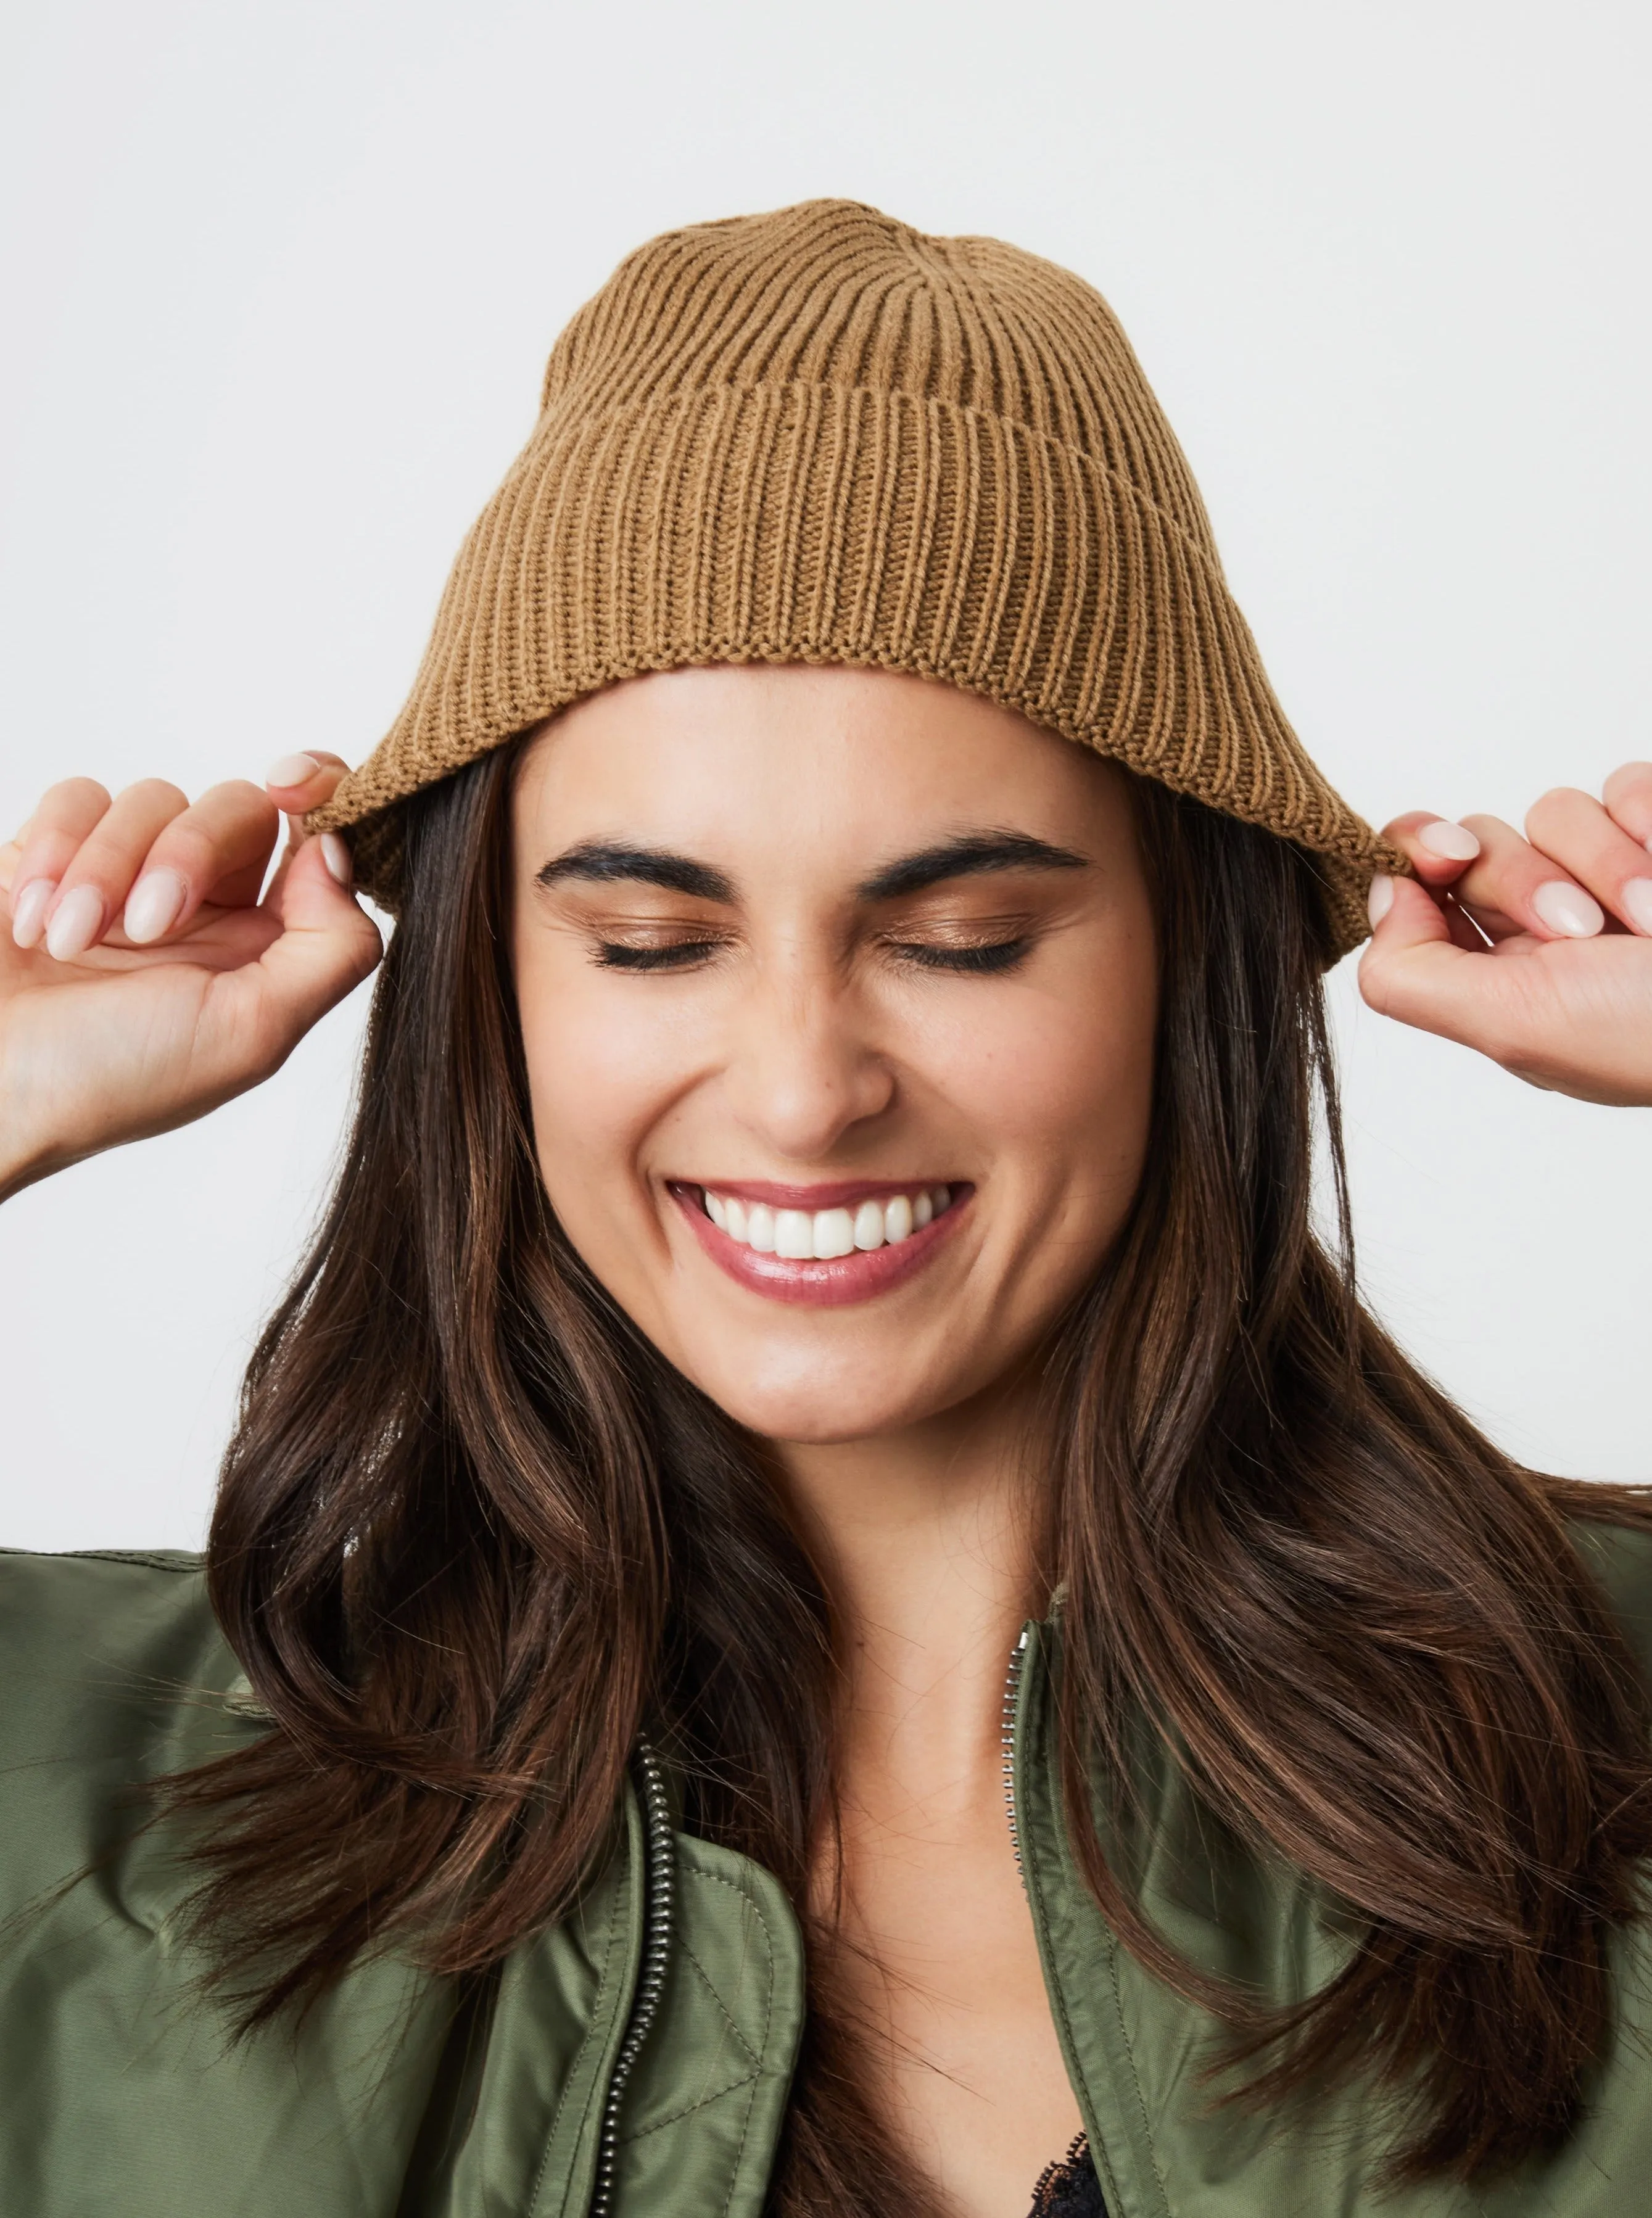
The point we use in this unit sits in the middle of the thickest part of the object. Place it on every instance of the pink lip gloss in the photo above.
(820, 1283)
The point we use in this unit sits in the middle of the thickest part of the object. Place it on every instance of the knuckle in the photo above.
(186, 846)
(241, 796)
(70, 801)
(80, 788)
(1560, 804)
(1628, 778)
(154, 793)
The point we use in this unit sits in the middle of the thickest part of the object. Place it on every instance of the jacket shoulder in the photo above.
(1619, 1554)
(111, 1671)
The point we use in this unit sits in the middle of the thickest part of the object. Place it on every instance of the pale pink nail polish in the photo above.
(75, 924)
(153, 905)
(291, 769)
(1456, 843)
(336, 855)
(28, 911)
(1568, 910)
(1636, 898)
(1381, 898)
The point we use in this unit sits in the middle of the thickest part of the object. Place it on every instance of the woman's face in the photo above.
(837, 991)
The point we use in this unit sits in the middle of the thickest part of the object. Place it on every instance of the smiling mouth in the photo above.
(822, 1235)
(867, 1238)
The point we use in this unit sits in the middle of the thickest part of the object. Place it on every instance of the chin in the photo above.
(815, 1410)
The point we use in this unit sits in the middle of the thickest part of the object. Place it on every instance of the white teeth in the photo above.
(794, 1234)
(825, 1234)
(834, 1234)
(869, 1224)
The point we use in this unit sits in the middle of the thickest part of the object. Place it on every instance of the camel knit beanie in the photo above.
(820, 436)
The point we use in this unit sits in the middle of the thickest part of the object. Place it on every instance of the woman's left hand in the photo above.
(1535, 951)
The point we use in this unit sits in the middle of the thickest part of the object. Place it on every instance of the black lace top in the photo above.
(1068, 2189)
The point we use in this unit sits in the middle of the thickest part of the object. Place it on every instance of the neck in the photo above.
(929, 1542)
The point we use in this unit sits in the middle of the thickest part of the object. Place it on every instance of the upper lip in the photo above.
(830, 1193)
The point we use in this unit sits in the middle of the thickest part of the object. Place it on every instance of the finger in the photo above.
(99, 875)
(1578, 833)
(328, 944)
(1414, 971)
(1628, 797)
(48, 844)
(1439, 849)
(11, 854)
(297, 783)
(1513, 888)
(217, 850)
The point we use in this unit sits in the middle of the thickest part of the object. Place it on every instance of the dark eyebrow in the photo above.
(608, 862)
(967, 856)
(611, 862)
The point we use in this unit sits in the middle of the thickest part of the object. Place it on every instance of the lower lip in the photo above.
(827, 1284)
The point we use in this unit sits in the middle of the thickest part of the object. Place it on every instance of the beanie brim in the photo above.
(830, 524)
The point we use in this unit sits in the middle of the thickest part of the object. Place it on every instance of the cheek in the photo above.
(1060, 1083)
(598, 1076)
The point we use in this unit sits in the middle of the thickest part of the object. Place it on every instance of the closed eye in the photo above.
(986, 956)
(673, 955)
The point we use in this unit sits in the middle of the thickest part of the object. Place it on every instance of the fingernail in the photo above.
(1636, 898)
(1456, 842)
(78, 920)
(291, 769)
(1568, 909)
(336, 855)
(153, 905)
(28, 911)
(1381, 898)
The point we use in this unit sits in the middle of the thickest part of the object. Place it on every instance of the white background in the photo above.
(278, 277)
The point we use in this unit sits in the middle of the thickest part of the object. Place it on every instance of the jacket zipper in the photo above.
(1011, 1691)
(659, 1906)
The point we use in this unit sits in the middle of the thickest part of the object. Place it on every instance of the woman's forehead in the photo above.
(745, 750)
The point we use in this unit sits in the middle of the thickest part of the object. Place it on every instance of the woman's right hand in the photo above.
(142, 981)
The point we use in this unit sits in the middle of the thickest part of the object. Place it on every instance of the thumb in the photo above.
(328, 943)
(1412, 971)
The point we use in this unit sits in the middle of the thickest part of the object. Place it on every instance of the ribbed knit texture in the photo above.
(820, 436)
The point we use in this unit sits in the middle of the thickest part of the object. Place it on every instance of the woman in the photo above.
(822, 1592)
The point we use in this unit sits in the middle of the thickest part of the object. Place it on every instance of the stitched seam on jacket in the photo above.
(747, 1896)
(700, 2103)
(739, 2153)
(1135, 2076)
(1072, 2049)
(756, 2061)
(573, 2069)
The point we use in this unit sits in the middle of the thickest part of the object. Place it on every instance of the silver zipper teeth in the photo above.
(1011, 1689)
(658, 1903)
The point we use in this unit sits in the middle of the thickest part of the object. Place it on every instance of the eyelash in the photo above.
(990, 959)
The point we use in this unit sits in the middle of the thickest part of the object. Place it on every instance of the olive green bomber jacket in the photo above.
(635, 2059)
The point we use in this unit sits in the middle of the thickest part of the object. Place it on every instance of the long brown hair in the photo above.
(474, 1534)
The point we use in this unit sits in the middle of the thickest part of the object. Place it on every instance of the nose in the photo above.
(802, 1067)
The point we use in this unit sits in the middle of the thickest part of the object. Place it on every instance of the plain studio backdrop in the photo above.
(279, 277)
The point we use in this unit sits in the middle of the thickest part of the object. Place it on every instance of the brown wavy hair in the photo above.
(474, 1535)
